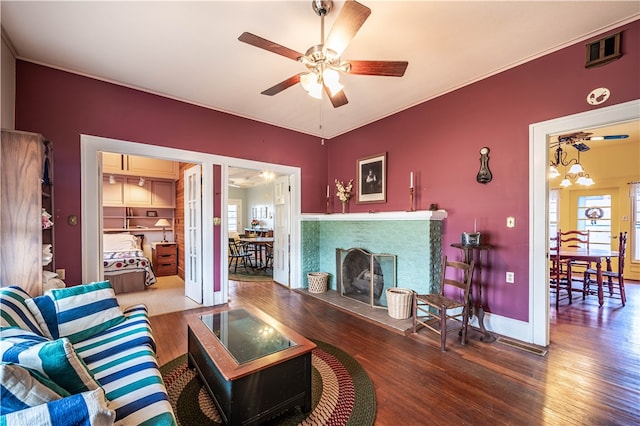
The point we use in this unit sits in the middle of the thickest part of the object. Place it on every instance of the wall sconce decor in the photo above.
(112, 180)
(141, 181)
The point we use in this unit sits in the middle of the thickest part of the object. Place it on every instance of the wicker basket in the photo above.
(399, 302)
(318, 282)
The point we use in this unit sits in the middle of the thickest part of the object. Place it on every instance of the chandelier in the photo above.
(576, 171)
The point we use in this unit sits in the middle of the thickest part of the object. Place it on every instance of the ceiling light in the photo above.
(311, 82)
(331, 79)
(576, 168)
(576, 171)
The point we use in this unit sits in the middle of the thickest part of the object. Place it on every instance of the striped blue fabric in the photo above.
(56, 359)
(14, 310)
(84, 409)
(77, 312)
(122, 359)
(22, 387)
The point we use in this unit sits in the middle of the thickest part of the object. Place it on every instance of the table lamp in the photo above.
(163, 223)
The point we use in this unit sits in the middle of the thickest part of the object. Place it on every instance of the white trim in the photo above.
(538, 332)
(417, 215)
(91, 181)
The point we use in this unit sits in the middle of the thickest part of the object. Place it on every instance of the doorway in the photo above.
(214, 279)
(539, 204)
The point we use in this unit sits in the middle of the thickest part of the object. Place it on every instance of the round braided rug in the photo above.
(342, 393)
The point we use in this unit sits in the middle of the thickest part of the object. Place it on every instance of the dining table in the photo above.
(259, 246)
(593, 255)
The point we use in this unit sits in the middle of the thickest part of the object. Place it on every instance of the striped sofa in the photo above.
(114, 369)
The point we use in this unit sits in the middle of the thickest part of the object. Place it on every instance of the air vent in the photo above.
(603, 51)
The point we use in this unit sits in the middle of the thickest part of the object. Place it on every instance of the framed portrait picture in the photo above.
(152, 213)
(372, 179)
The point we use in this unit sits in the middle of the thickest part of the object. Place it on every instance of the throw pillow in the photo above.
(22, 387)
(14, 311)
(77, 312)
(87, 408)
(55, 358)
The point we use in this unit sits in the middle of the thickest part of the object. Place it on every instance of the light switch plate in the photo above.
(511, 222)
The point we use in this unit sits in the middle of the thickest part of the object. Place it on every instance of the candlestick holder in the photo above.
(328, 211)
(411, 209)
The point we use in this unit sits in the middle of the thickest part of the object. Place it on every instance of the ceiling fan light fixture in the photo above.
(331, 79)
(565, 182)
(311, 83)
(553, 172)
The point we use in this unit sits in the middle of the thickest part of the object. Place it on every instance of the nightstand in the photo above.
(164, 257)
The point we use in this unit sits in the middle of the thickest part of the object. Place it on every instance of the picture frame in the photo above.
(372, 179)
(152, 213)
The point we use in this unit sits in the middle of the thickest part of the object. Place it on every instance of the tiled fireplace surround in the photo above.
(414, 237)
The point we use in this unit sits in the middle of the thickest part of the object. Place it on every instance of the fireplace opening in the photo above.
(364, 276)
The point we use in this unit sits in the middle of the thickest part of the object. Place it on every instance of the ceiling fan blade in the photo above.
(346, 25)
(265, 44)
(282, 85)
(385, 68)
(338, 100)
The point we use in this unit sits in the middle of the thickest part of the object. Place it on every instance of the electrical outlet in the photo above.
(511, 277)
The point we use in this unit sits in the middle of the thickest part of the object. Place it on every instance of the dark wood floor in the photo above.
(590, 375)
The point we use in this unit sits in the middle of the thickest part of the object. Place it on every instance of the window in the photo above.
(594, 215)
(635, 221)
(554, 212)
(234, 216)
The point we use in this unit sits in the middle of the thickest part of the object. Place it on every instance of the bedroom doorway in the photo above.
(214, 278)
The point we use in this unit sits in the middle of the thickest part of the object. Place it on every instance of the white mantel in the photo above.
(416, 215)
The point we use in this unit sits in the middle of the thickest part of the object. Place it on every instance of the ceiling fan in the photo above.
(577, 139)
(323, 60)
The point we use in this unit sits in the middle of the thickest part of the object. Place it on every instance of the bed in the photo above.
(125, 265)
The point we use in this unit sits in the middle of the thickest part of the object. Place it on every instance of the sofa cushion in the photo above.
(14, 310)
(76, 312)
(22, 387)
(55, 358)
(86, 408)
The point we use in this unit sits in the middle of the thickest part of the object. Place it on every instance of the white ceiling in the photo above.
(189, 50)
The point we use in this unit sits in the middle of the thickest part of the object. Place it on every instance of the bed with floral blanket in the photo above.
(125, 265)
(122, 262)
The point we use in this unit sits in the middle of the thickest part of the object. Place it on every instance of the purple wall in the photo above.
(62, 106)
(440, 141)
(437, 140)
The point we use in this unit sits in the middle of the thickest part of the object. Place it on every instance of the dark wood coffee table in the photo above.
(253, 366)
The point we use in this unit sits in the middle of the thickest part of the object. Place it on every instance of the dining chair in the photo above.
(613, 277)
(580, 239)
(450, 303)
(238, 254)
(559, 271)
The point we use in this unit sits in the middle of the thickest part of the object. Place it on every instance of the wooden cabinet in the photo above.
(26, 163)
(126, 192)
(132, 165)
(164, 257)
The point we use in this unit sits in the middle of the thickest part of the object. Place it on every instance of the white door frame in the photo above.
(538, 203)
(192, 235)
(91, 224)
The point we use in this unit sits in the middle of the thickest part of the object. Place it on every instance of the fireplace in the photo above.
(364, 276)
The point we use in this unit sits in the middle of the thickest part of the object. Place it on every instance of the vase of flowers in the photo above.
(255, 223)
(46, 220)
(344, 193)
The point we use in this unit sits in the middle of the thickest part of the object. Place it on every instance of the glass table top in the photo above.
(245, 336)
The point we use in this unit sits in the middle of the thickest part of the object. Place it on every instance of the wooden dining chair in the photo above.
(559, 271)
(580, 239)
(433, 311)
(614, 278)
(238, 254)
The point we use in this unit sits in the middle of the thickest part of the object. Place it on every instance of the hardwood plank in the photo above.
(590, 374)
